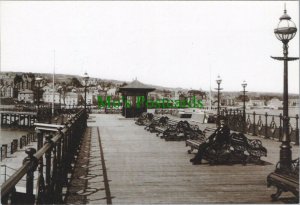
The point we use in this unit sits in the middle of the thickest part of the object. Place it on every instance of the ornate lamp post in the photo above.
(85, 78)
(244, 85)
(38, 80)
(285, 31)
(219, 80)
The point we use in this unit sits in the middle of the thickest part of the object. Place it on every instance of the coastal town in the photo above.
(21, 89)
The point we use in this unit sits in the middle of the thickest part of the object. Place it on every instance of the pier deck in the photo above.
(136, 167)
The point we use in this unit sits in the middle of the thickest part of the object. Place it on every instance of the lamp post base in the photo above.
(285, 158)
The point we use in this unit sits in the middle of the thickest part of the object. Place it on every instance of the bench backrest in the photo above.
(238, 142)
(208, 131)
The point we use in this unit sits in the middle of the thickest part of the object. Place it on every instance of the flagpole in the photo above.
(53, 80)
(209, 87)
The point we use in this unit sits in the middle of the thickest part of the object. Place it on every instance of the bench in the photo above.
(164, 129)
(180, 130)
(144, 119)
(158, 122)
(150, 121)
(194, 143)
(175, 131)
(191, 131)
(285, 181)
(141, 120)
(240, 149)
(208, 131)
(249, 149)
(151, 125)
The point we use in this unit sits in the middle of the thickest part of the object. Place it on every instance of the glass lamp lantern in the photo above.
(286, 29)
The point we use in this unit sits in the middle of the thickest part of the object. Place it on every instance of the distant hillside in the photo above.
(64, 77)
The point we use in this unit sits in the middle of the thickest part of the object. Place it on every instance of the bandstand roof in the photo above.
(136, 86)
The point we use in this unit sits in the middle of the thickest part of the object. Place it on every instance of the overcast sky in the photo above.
(173, 44)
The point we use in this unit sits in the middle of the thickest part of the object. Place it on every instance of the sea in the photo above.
(293, 111)
(7, 135)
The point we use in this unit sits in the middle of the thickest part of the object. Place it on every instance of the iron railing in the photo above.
(52, 162)
(266, 125)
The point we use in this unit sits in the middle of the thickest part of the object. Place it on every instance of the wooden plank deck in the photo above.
(144, 169)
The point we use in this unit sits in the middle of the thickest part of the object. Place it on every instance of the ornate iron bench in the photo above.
(240, 149)
(174, 132)
(181, 130)
(168, 124)
(141, 120)
(201, 138)
(194, 144)
(155, 121)
(285, 181)
(191, 131)
(251, 150)
(144, 119)
(150, 121)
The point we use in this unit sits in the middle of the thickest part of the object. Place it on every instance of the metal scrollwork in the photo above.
(239, 123)
(290, 128)
(273, 126)
(259, 124)
(248, 122)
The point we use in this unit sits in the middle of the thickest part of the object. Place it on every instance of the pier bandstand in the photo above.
(134, 98)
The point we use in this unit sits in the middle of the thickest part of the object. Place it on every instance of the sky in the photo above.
(173, 44)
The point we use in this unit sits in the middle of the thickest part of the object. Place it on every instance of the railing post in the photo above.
(54, 174)
(48, 164)
(266, 125)
(39, 138)
(280, 127)
(30, 174)
(297, 130)
(254, 129)
(64, 158)
(58, 179)
(41, 193)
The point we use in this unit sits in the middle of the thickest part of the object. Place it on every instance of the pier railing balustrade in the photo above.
(52, 162)
(269, 126)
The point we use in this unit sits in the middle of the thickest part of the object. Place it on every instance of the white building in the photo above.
(6, 91)
(275, 103)
(72, 98)
(26, 96)
(258, 103)
(112, 92)
(48, 97)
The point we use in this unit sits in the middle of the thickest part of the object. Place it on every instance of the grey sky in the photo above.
(171, 44)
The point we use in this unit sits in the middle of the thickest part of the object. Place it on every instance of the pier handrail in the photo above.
(30, 165)
(262, 124)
